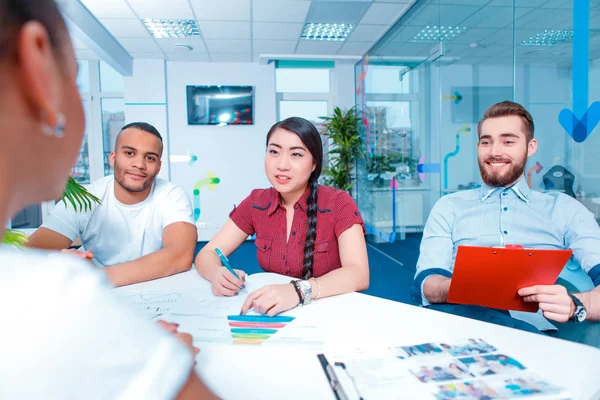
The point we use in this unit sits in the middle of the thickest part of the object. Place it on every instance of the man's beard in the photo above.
(120, 178)
(514, 172)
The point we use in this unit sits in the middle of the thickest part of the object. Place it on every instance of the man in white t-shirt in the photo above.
(144, 227)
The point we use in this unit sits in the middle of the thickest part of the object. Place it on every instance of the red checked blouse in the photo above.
(263, 213)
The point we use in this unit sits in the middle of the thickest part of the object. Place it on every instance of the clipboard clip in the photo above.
(513, 247)
(334, 382)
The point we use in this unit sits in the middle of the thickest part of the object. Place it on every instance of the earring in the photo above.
(58, 131)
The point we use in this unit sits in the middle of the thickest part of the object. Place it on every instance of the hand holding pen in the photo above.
(227, 281)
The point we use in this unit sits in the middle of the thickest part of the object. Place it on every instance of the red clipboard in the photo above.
(492, 276)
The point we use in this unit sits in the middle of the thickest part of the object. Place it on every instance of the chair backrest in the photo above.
(559, 178)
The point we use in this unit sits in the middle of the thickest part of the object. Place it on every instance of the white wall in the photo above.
(146, 101)
(235, 154)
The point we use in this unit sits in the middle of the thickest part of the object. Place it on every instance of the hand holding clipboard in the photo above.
(492, 276)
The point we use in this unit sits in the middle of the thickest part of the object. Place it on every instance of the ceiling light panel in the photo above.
(434, 33)
(326, 32)
(171, 28)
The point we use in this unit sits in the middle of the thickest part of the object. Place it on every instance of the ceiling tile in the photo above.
(167, 44)
(276, 30)
(355, 48)
(477, 35)
(228, 46)
(221, 10)
(158, 56)
(190, 56)
(127, 28)
(225, 30)
(139, 45)
(160, 9)
(551, 19)
(274, 46)
(365, 33)
(318, 47)
(487, 17)
(340, 12)
(383, 13)
(231, 57)
(279, 10)
(109, 8)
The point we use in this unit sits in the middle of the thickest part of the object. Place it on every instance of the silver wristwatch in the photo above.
(306, 290)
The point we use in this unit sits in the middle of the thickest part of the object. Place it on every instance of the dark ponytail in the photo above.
(16, 13)
(311, 233)
(311, 138)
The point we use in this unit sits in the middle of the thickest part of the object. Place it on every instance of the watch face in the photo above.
(581, 313)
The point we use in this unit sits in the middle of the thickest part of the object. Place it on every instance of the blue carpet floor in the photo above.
(392, 265)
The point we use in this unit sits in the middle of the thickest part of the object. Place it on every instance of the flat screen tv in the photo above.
(220, 105)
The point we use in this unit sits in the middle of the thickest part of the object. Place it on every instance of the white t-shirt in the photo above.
(117, 232)
(66, 335)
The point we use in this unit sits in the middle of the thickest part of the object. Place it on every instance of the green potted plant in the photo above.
(377, 165)
(74, 193)
(343, 129)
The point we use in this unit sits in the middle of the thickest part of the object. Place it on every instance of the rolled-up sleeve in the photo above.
(583, 237)
(435, 257)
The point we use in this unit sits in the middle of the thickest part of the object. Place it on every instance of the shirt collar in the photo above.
(520, 188)
(277, 202)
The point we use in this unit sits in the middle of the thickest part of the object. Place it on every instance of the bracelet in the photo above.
(319, 283)
(298, 291)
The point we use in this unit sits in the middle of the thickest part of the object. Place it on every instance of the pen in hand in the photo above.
(227, 265)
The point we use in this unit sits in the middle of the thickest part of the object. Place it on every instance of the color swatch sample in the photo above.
(251, 329)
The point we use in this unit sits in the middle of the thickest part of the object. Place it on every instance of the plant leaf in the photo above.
(78, 196)
(13, 237)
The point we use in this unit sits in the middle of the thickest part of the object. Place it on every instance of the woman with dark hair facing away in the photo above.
(303, 230)
(67, 335)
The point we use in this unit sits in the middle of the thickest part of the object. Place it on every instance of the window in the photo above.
(81, 170)
(387, 79)
(110, 80)
(113, 119)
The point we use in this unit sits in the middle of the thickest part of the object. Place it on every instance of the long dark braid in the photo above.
(311, 233)
(311, 138)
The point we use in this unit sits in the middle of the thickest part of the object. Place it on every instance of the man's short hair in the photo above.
(143, 126)
(506, 109)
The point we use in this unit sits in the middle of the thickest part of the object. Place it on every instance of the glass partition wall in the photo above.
(422, 89)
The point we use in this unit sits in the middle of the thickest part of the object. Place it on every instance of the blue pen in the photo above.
(225, 262)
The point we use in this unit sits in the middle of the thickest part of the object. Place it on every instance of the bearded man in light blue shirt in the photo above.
(506, 211)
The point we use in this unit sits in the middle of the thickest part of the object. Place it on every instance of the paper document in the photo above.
(154, 302)
(471, 370)
(196, 301)
(251, 329)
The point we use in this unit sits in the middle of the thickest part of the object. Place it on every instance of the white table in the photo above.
(260, 372)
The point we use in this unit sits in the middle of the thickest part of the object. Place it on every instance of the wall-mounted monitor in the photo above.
(220, 105)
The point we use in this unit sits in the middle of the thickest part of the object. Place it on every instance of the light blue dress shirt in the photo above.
(497, 216)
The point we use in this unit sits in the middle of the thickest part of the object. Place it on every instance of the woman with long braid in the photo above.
(303, 230)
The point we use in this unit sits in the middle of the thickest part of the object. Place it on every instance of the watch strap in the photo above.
(579, 307)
